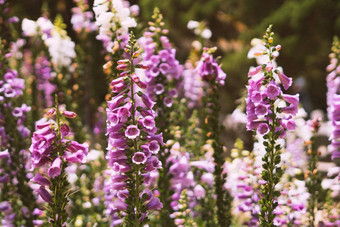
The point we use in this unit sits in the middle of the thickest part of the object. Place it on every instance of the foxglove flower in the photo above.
(131, 146)
(162, 79)
(214, 77)
(333, 98)
(51, 151)
(81, 19)
(268, 112)
(14, 161)
(113, 20)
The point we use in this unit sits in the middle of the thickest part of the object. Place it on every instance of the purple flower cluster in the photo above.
(209, 69)
(9, 213)
(11, 86)
(264, 96)
(183, 178)
(47, 150)
(132, 145)
(292, 204)
(333, 100)
(192, 85)
(43, 73)
(164, 68)
(82, 19)
(244, 183)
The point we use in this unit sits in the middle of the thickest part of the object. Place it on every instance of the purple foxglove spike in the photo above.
(286, 81)
(39, 179)
(55, 168)
(139, 158)
(44, 194)
(154, 204)
(69, 114)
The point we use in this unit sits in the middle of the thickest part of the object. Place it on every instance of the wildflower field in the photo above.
(169, 113)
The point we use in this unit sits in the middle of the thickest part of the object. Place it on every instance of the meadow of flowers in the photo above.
(152, 152)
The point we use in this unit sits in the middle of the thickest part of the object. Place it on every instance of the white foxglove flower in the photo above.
(29, 27)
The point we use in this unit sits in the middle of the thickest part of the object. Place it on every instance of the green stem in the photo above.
(136, 168)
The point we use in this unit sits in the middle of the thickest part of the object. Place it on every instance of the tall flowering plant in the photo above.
(212, 74)
(51, 153)
(15, 192)
(333, 97)
(132, 144)
(162, 78)
(269, 113)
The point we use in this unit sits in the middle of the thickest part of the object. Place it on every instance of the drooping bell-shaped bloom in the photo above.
(55, 168)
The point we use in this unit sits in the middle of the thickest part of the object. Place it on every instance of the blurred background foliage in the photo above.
(304, 28)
